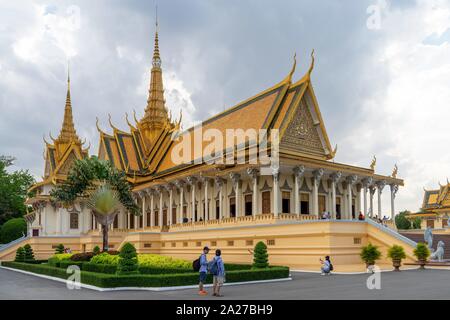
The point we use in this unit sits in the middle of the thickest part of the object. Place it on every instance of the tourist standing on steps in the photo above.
(203, 271)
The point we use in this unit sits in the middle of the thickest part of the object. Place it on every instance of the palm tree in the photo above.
(103, 189)
(104, 203)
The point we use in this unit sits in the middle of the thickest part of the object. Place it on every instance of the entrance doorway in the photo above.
(248, 204)
(304, 203)
(265, 202)
(232, 207)
(286, 202)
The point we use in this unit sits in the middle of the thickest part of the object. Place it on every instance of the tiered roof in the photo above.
(60, 154)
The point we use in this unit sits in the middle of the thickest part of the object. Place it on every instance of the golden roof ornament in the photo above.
(311, 67)
(333, 153)
(68, 132)
(156, 117)
(373, 163)
(395, 171)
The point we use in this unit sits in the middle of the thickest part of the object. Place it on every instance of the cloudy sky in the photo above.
(381, 76)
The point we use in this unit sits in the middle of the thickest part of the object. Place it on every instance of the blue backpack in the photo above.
(214, 268)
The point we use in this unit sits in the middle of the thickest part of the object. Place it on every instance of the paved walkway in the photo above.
(412, 284)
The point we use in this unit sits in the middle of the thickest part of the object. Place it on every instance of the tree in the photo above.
(59, 249)
(13, 190)
(260, 256)
(128, 263)
(417, 223)
(401, 221)
(101, 186)
(96, 250)
(29, 254)
(13, 229)
(20, 255)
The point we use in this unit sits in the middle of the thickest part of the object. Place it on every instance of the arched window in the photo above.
(73, 220)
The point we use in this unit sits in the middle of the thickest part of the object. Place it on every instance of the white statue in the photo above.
(428, 237)
(439, 253)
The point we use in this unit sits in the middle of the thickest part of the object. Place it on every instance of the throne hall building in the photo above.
(186, 206)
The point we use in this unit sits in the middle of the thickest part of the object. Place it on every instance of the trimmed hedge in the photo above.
(150, 280)
(111, 268)
(66, 263)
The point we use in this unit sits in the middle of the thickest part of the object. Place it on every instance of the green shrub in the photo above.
(421, 251)
(144, 280)
(128, 263)
(13, 229)
(57, 258)
(83, 256)
(105, 258)
(396, 253)
(66, 263)
(417, 223)
(96, 250)
(99, 267)
(370, 253)
(20, 255)
(159, 261)
(59, 249)
(29, 254)
(235, 266)
(260, 256)
(401, 222)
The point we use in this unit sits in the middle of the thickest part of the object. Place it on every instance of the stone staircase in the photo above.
(418, 237)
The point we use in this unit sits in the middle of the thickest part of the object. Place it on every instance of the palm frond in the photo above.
(103, 199)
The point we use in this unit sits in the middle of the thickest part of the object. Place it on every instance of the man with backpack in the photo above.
(217, 269)
(201, 265)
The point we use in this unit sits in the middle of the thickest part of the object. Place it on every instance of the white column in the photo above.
(358, 200)
(334, 180)
(371, 192)
(253, 173)
(160, 216)
(170, 209)
(236, 178)
(298, 173)
(152, 209)
(129, 221)
(317, 175)
(181, 203)
(350, 181)
(180, 213)
(365, 184)
(144, 210)
(58, 220)
(192, 181)
(82, 222)
(206, 216)
(219, 184)
(276, 192)
(394, 189)
(380, 186)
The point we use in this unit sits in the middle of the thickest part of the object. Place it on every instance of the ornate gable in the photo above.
(301, 133)
(302, 130)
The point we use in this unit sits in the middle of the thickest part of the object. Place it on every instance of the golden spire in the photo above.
(68, 133)
(156, 116)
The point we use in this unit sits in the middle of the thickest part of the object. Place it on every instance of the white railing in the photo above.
(10, 244)
(392, 232)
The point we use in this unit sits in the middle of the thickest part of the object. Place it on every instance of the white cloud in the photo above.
(409, 123)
